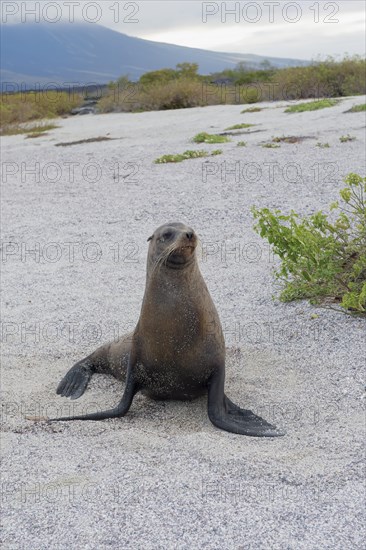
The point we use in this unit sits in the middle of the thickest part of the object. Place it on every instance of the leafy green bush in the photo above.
(311, 106)
(322, 260)
(162, 76)
(204, 137)
(329, 78)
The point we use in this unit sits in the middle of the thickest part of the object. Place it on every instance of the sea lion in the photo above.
(177, 350)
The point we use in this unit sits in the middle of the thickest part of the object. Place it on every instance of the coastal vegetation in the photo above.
(323, 259)
(184, 87)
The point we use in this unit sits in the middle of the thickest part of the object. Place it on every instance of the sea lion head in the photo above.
(172, 245)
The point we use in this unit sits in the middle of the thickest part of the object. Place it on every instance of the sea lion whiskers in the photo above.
(162, 259)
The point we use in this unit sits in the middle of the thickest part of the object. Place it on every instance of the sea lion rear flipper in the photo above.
(74, 383)
(224, 414)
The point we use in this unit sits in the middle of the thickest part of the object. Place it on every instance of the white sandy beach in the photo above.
(164, 477)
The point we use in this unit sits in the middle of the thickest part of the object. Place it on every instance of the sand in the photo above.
(164, 477)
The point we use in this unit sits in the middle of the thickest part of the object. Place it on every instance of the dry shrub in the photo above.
(24, 107)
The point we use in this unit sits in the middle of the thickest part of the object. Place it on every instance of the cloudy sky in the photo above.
(303, 29)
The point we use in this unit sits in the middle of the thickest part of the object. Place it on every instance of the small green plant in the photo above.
(357, 108)
(239, 126)
(322, 260)
(241, 144)
(186, 155)
(344, 139)
(204, 137)
(271, 145)
(251, 110)
(312, 106)
(323, 145)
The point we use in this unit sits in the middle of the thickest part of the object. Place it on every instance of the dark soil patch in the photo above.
(90, 140)
(291, 139)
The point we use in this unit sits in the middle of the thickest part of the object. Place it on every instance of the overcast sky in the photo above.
(303, 29)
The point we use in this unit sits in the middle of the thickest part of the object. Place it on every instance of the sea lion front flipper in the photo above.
(75, 382)
(132, 387)
(224, 414)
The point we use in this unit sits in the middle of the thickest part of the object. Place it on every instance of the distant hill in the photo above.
(86, 53)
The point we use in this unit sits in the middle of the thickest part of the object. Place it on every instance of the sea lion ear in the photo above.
(149, 239)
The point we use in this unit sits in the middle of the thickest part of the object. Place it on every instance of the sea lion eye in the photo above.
(166, 236)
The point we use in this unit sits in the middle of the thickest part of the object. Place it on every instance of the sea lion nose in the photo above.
(189, 235)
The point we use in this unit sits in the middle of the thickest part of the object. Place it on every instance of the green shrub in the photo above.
(178, 94)
(162, 76)
(322, 260)
(24, 107)
(320, 79)
(357, 108)
(312, 106)
(184, 87)
(204, 137)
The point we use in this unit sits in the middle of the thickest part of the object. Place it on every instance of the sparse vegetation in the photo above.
(322, 260)
(241, 144)
(344, 139)
(289, 139)
(312, 106)
(357, 108)
(204, 137)
(183, 87)
(323, 145)
(239, 126)
(251, 110)
(31, 130)
(16, 109)
(271, 145)
(186, 155)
